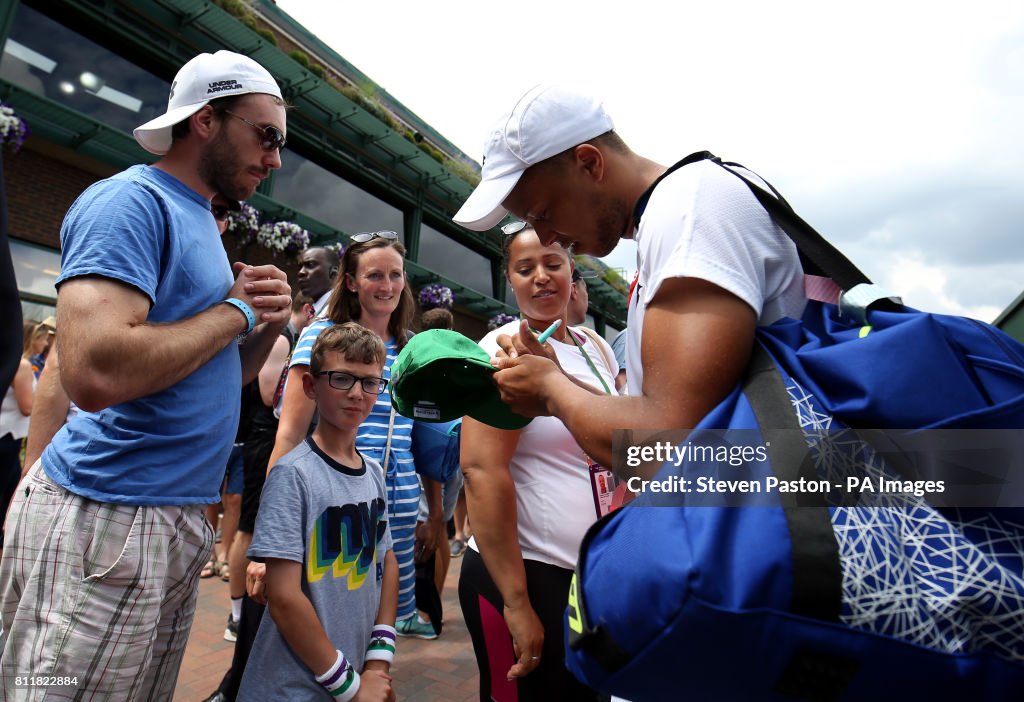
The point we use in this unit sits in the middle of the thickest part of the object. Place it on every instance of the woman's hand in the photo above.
(523, 343)
(527, 638)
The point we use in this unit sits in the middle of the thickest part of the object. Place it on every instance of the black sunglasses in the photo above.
(340, 380)
(272, 136)
(363, 237)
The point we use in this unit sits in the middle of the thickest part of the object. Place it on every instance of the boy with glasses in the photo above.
(331, 583)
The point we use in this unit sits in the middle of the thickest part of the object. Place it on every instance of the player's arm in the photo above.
(696, 342)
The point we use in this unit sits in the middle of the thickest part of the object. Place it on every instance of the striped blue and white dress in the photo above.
(402, 483)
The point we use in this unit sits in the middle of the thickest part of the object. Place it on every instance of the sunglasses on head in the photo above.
(272, 139)
(363, 237)
(513, 228)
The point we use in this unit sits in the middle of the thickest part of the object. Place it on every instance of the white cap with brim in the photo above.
(204, 78)
(546, 121)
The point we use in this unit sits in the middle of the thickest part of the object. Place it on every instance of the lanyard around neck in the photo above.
(593, 368)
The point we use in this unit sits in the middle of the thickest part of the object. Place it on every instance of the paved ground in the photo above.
(442, 670)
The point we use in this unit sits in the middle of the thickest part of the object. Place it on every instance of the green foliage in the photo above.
(267, 34)
(300, 57)
(364, 95)
(463, 170)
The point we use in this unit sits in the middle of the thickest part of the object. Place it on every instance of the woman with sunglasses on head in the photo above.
(371, 290)
(531, 494)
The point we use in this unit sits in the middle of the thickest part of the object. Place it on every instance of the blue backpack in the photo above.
(803, 597)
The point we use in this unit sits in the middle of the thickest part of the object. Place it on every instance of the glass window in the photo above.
(50, 59)
(35, 269)
(315, 191)
(455, 261)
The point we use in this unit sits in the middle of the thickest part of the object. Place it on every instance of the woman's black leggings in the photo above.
(482, 606)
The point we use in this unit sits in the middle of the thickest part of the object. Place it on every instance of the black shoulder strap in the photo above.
(814, 553)
(817, 256)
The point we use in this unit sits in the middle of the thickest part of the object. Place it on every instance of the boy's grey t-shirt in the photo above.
(333, 520)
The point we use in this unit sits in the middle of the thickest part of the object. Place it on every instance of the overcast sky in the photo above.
(896, 128)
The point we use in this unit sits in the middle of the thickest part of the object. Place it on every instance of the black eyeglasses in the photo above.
(363, 237)
(273, 138)
(340, 380)
(513, 228)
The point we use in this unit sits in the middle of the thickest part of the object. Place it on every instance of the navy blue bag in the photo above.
(803, 598)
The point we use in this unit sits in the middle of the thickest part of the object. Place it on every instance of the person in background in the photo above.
(149, 311)
(440, 318)
(11, 334)
(619, 347)
(331, 584)
(462, 528)
(223, 516)
(318, 267)
(40, 344)
(579, 298)
(370, 289)
(532, 493)
(14, 422)
(262, 394)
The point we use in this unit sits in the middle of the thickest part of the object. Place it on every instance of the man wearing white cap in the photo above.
(107, 536)
(712, 264)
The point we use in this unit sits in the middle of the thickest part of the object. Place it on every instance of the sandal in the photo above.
(458, 546)
(224, 571)
(208, 570)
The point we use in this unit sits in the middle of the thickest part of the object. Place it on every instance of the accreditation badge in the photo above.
(602, 483)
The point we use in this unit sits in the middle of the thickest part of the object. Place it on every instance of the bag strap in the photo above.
(387, 445)
(817, 573)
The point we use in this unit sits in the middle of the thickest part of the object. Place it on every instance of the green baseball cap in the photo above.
(442, 375)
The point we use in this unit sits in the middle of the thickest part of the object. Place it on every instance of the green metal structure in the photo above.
(324, 126)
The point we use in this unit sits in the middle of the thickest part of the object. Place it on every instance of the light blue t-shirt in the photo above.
(149, 230)
(332, 519)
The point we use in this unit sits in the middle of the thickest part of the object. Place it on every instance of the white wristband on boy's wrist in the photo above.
(341, 680)
(383, 639)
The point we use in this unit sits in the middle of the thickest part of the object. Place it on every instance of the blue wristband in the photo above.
(244, 309)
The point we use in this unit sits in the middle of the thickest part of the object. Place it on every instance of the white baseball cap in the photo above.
(202, 79)
(546, 121)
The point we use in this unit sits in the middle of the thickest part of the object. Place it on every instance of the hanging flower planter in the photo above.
(283, 237)
(244, 223)
(13, 128)
(500, 320)
(434, 295)
(337, 247)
